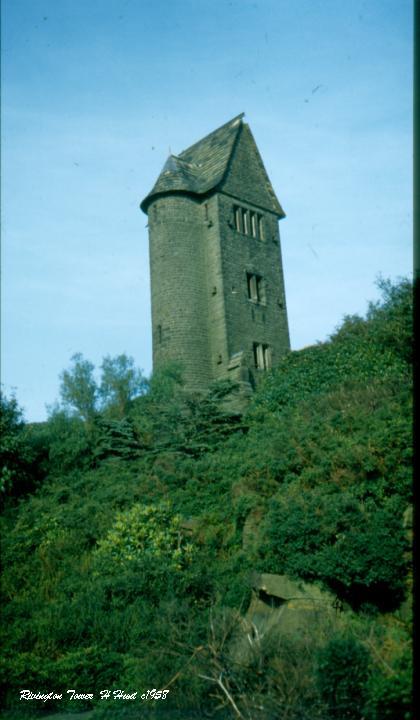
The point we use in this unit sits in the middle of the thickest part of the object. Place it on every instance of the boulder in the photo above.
(282, 604)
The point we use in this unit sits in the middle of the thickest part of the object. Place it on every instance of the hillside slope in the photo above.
(130, 535)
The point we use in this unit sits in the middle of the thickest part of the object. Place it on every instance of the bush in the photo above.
(390, 684)
(113, 562)
(16, 453)
(341, 674)
(357, 549)
(390, 696)
(146, 532)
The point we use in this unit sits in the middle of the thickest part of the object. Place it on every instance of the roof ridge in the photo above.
(206, 137)
(204, 166)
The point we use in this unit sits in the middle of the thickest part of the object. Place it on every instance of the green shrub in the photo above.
(390, 690)
(146, 532)
(113, 562)
(17, 468)
(357, 549)
(341, 674)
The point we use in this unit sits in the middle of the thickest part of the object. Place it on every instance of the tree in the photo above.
(78, 388)
(121, 382)
(392, 317)
(15, 451)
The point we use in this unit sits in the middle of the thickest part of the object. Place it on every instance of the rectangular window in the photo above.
(253, 224)
(252, 287)
(238, 218)
(245, 215)
(248, 222)
(267, 357)
(258, 356)
(256, 290)
(262, 356)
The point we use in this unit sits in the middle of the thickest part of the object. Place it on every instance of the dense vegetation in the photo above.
(133, 518)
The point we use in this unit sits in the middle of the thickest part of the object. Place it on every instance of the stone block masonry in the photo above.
(218, 300)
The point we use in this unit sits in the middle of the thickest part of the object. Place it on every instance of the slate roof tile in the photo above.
(200, 167)
(203, 166)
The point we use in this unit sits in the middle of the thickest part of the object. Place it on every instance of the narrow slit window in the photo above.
(258, 356)
(238, 219)
(262, 356)
(248, 222)
(255, 285)
(252, 287)
(267, 357)
(253, 225)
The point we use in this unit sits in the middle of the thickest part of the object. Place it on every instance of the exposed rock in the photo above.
(251, 527)
(281, 604)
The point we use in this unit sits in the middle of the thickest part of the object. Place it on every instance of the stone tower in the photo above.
(218, 300)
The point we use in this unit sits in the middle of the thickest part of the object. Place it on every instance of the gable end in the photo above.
(246, 177)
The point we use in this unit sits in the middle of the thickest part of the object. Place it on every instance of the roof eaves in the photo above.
(201, 167)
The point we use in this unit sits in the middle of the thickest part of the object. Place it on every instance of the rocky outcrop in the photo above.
(280, 603)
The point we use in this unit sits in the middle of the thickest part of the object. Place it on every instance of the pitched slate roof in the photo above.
(200, 167)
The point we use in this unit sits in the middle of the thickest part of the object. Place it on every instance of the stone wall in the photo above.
(201, 264)
(249, 321)
(178, 282)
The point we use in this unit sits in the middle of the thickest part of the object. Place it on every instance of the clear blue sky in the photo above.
(95, 92)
